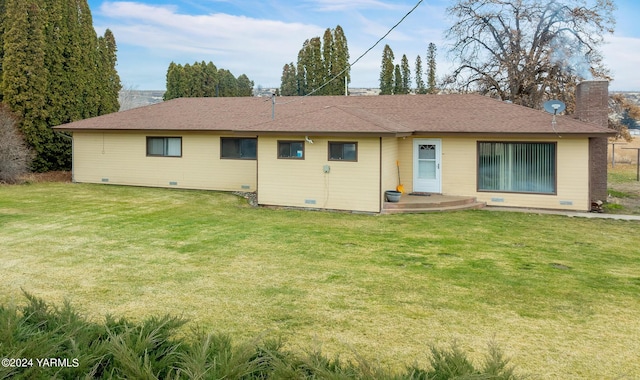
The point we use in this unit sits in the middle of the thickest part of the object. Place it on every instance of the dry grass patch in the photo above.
(559, 295)
(622, 155)
(53, 176)
(624, 188)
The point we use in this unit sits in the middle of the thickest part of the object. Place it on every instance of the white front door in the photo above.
(426, 166)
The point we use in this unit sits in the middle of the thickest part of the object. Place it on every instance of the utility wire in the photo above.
(363, 54)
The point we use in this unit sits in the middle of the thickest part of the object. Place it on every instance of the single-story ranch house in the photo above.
(344, 152)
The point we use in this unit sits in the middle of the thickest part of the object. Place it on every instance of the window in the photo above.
(164, 146)
(343, 151)
(238, 148)
(517, 167)
(291, 149)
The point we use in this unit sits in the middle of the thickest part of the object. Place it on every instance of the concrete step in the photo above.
(422, 208)
(431, 203)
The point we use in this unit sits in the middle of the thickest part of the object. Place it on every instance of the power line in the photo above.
(365, 53)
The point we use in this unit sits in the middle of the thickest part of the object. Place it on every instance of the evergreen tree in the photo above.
(311, 73)
(174, 78)
(420, 86)
(210, 82)
(109, 75)
(322, 63)
(24, 76)
(340, 68)
(228, 84)
(62, 107)
(406, 75)
(2, 26)
(431, 69)
(315, 65)
(387, 72)
(397, 80)
(55, 70)
(193, 81)
(289, 86)
(245, 86)
(328, 56)
(85, 61)
(202, 79)
(302, 69)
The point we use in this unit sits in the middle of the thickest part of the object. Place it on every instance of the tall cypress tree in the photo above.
(202, 79)
(210, 72)
(431, 69)
(420, 87)
(302, 69)
(111, 87)
(387, 71)
(397, 80)
(406, 75)
(84, 42)
(2, 26)
(55, 70)
(289, 82)
(173, 79)
(340, 65)
(323, 63)
(328, 57)
(315, 65)
(245, 85)
(228, 84)
(195, 83)
(24, 76)
(60, 76)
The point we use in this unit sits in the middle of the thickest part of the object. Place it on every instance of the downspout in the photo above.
(257, 167)
(380, 178)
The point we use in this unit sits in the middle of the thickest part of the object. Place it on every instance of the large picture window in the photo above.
(164, 146)
(238, 148)
(291, 149)
(517, 167)
(343, 151)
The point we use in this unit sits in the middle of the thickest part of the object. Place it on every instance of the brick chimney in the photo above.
(592, 106)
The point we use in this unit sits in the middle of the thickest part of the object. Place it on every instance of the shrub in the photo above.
(150, 350)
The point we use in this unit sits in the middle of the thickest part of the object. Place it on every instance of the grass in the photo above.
(150, 349)
(559, 295)
(622, 174)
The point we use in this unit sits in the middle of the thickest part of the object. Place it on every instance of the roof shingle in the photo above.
(380, 115)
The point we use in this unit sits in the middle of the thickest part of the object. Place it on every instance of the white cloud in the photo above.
(344, 5)
(256, 47)
(621, 56)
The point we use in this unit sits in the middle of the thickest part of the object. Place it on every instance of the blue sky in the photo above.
(257, 37)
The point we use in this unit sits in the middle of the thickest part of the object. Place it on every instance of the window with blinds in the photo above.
(517, 167)
(164, 146)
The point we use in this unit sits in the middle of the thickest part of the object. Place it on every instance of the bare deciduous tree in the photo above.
(15, 156)
(527, 51)
(622, 113)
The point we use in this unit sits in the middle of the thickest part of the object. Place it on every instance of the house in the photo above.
(342, 153)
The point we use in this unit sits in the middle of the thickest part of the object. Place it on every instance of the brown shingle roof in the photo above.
(380, 115)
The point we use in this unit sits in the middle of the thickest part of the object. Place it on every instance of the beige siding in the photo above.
(459, 167)
(120, 158)
(302, 183)
(389, 168)
(405, 160)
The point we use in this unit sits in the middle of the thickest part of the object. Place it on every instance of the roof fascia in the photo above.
(558, 135)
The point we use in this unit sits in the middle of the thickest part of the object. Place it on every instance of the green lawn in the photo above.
(560, 296)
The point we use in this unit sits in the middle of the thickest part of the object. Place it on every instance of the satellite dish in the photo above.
(554, 106)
